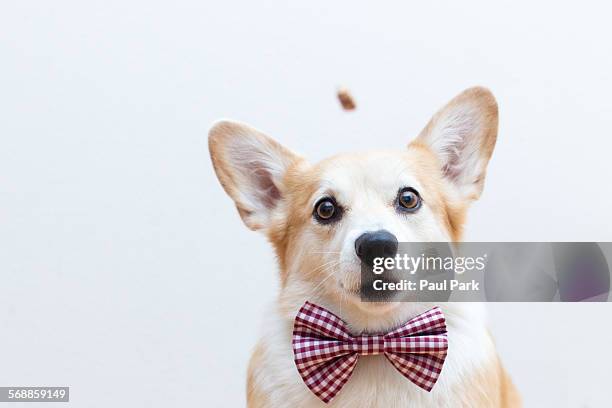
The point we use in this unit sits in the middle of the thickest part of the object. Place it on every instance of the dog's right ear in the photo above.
(251, 167)
(462, 135)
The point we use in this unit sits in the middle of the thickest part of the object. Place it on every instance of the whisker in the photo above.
(312, 292)
(329, 268)
(323, 266)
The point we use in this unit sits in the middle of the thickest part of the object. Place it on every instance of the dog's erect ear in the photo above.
(250, 167)
(462, 135)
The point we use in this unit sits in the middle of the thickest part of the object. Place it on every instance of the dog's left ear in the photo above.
(462, 135)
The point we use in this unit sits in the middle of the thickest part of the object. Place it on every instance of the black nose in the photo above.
(377, 244)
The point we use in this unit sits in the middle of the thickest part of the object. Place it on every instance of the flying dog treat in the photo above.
(346, 100)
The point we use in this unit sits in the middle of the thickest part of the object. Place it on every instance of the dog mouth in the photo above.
(372, 304)
(364, 292)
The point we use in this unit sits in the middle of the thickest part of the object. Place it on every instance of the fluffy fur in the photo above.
(275, 191)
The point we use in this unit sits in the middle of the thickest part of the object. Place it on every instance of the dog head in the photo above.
(325, 219)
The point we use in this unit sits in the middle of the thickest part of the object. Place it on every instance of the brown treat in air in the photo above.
(346, 100)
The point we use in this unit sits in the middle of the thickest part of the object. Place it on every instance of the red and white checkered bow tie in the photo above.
(326, 353)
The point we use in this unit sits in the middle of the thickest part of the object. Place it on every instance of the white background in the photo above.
(126, 272)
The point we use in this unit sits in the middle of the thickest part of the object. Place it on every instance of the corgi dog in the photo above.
(318, 215)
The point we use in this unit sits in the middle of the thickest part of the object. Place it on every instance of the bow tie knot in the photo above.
(369, 345)
(326, 353)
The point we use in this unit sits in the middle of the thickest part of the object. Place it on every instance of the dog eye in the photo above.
(408, 199)
(326, 210)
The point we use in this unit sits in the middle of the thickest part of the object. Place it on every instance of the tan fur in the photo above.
(255, 397)
(489, 386)
(451, 212)
(275, 191)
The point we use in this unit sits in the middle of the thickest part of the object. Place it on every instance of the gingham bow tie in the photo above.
(325, 352)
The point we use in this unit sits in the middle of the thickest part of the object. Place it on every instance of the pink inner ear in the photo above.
(455, 137)
(267, 191)
(453, 167)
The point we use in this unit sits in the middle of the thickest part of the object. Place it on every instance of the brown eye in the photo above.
(408, 199)
(326, 210)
